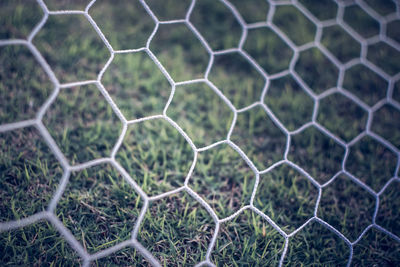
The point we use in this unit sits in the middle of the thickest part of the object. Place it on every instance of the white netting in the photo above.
(37, 122)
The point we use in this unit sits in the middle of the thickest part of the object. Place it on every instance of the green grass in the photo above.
(315, 245)
(392, 56)
(317, 154)
(248, 240)
(128, 33)
(177, 230)
(223, 179)
(66, 4)
(393, 30)
(231, 69)
(85, 54)
(371, 162)
(360, 21)
(386, 217)
(200, 113)
(185, 58)
(252, 11)
(335, 38)
(100, 208)
(82, 123)
(342, 116)
(322, 10)
(156, 155)
(37, 244)
(283, 191)
(27, 81)
(352, 205)
(268, 50)
(365, 84)
(22, 16)
(29, 174)
(289, 102)
(382, 7)
(212, 19)
(125, 256)
(383, 126)
(294, 24)
(254, 133)
(162, 13)
(130, 80)
(316, 70)
(396, 92)
(376, 247)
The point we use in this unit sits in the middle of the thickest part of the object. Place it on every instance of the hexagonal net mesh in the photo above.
(296, 49)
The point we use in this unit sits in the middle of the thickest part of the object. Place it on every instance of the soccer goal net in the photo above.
(202, 132)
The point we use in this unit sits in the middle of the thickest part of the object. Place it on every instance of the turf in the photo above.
(86, 53)
(212, 19)
(248, 240)
(29, 174)
(255, 132)
(316, 70)
(100, 208)
(82, 123)
(334, 38)
(156, 156)
(27, 80)
(268, 49)
(231, 69)
(289, 102)
(279, 196)
(37, 244)
(130, 80)
(294, 24)
(201, 113)
(177, 230)
(223, 179)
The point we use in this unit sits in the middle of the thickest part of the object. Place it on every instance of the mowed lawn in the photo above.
(289, 132)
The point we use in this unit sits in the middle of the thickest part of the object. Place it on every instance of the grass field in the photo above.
(347, 157)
